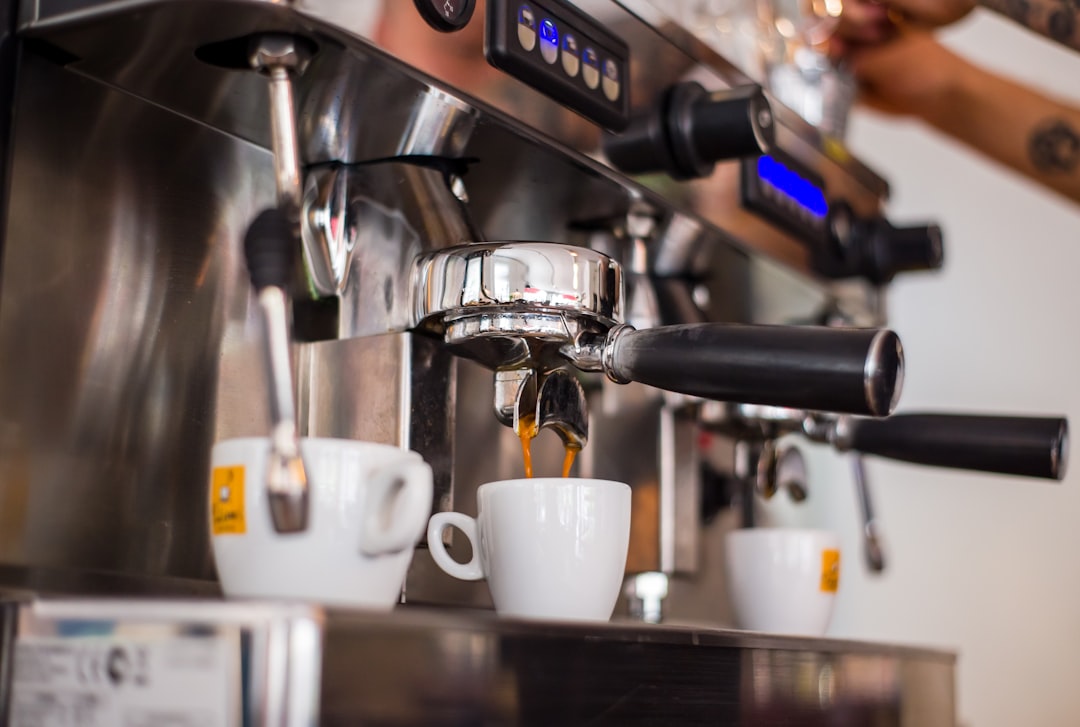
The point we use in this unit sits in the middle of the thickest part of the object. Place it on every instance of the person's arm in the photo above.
(1032, 133)
(1056, 19)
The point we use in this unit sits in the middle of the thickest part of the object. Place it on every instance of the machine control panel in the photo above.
(781, 191)
(563, 53)
(842, 244)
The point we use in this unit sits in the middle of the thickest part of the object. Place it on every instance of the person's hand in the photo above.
(929, 13)
(911, 74)
(866, 21)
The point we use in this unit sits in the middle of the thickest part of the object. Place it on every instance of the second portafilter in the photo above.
(536, 306)
(1022, 446)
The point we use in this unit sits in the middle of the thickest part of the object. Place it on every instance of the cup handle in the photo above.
(398, 497)
(440, 521)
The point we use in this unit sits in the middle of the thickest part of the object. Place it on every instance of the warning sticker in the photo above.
(107, 682)
(830, 570)
(227, 500)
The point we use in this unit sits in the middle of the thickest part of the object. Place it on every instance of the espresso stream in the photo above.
(527, 430)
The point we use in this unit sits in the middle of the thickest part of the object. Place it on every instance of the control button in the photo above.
(446, 15)
(590, 70)
(549, 41)
(611, 79)
(571, 56)
(526, 27)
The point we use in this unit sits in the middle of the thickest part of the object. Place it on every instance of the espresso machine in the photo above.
(622, 240)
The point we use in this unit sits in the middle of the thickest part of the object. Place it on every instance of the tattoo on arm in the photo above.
(1056, 19)
(1054, 147)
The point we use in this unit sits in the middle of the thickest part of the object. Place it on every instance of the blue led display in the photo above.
(793, 186)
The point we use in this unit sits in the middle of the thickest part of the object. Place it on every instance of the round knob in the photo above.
(891, 250)
(446, 16)
(874, 249)
(691, 129)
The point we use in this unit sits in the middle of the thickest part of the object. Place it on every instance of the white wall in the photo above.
(985, 565)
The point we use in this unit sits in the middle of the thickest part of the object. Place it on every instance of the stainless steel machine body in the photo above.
(129, 344)
(224, 664)
(126, 327)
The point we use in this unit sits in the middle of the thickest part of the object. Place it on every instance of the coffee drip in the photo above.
(568, 460)
(527, 431)
(528, 400)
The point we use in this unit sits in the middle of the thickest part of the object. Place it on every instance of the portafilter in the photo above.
(536, 306)
(1022, 446)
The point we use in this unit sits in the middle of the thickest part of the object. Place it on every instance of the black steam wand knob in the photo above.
(692, 129)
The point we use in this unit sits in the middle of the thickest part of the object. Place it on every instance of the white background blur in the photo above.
(984, 565)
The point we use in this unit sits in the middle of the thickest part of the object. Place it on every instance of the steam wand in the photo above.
(279, 57)
(271, 246)
(872, 549)
(1013, 445)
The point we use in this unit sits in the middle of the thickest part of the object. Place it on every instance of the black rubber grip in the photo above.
(1024, 446)
(270, 247)
(851, 370)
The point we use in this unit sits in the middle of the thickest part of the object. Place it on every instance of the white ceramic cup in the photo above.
(368, 506)
(783, 580)
(549, 547)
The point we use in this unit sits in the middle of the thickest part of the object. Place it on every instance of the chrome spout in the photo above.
(529, 399)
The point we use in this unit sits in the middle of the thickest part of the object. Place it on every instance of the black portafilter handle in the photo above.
(270, 246)
(848, 370)
(1010, 445)
(691, 129)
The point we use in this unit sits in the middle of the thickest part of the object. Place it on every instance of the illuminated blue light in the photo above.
(548, 32)
(793, 186)
(549, 41)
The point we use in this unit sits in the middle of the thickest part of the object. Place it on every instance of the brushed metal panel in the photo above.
(444, 668)
(423, 667)
(529, 183)
(121, 279)
(397, 388)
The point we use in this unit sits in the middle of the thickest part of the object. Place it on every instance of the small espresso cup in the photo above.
(550, 548)
(368, 506)
(783, 580)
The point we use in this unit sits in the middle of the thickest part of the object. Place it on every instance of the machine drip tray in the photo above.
(217, 663)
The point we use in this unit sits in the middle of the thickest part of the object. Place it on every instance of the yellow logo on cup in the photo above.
(227, 501)
(830, 570)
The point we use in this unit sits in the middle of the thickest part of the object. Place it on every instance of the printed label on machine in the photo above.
(107, 682)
